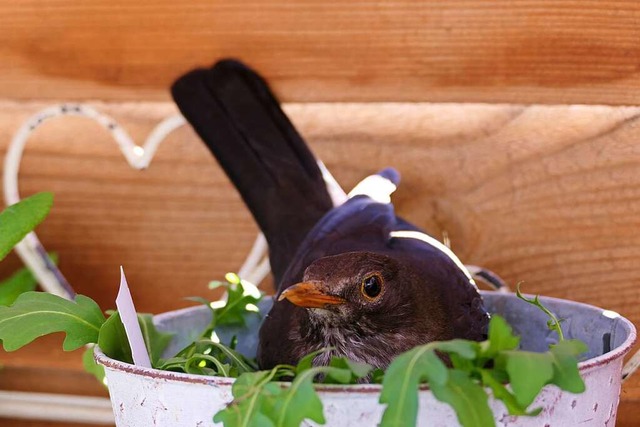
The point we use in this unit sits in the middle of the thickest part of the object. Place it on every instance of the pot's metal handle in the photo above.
(631, 366)
(489, 277)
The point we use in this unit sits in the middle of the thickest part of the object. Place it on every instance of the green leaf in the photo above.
(114, 343)
(155, 340)
(20, 219)
(502, 393)
(467, 398)
(90, 365)
(241, 301)
(463, 348)
(377, 376)
(113, 339)
(501, 337)
(35, 314)
(20, 282)
(306, 362)
(338, 375)
(235, 311)
(356, 370)
(234, 358)
(401, 381)
(204, 364)
(243, 415)
(565, 365)
(249, 382)
(253, 394)
(299, 402)
(239, 295)
(528, 373)
(172, 364)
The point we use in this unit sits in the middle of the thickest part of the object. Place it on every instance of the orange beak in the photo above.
(309, 295)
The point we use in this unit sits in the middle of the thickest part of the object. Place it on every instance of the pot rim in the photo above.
(113, 364)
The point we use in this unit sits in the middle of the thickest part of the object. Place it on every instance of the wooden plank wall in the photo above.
(523, 51)
(547, 194)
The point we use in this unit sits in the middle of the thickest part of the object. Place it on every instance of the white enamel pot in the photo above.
(148, 397)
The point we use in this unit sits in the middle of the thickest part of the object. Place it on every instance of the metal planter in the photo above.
(148, 397)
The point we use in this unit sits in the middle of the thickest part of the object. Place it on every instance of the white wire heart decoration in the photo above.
(139, 157)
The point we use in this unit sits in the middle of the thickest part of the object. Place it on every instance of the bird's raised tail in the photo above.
(240, 120)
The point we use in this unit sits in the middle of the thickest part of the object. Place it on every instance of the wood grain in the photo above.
(549, 195)
(523, 51)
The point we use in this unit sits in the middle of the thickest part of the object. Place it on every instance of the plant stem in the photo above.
(553, 323)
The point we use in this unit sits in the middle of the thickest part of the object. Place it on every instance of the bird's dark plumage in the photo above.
(236, 115)
(356, 278)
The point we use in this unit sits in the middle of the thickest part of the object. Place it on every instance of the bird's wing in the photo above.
(438, 265)
(241, 122)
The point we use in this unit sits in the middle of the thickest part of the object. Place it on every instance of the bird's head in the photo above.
(368, 294)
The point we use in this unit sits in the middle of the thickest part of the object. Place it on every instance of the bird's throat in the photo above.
(327, 330)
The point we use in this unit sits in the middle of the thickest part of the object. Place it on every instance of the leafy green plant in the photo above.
(260, 400)
(491, 364)
(206, 355)
(285, 395)
(476, 366)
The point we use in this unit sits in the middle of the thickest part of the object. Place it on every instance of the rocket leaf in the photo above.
(492, 364)
(306, 362)
(20, 219)
(401, 382)
(114, 343)
(501, 392)
(501, 337)
(466, 397)
(20, 282)
(528, 372)
(565, 370)
(35, 314)
(420, 365)
(252, 391)
(298, 402)
(355, 370)
(240, 296)
(155, 340)
(112, 339)
(258, 400)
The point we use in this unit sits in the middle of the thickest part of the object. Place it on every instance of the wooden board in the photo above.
(523, 51)
(548, 195)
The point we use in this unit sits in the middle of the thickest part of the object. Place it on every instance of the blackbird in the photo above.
(355, 278)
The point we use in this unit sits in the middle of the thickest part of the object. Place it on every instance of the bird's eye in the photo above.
(371, 286)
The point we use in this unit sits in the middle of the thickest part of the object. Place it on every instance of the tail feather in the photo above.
(241, 122)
